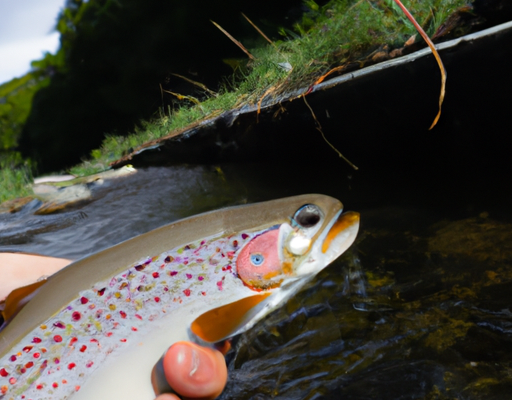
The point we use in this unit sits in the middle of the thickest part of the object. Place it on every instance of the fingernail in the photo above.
(197, 361)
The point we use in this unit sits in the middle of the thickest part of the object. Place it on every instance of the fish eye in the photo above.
(257, 259)
(307, 216)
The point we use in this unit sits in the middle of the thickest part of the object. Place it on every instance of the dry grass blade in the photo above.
(198, 84)
(183, 97)
(259, 30)
(436, 55)
(337, 69)
(267, 92)
(234, 40)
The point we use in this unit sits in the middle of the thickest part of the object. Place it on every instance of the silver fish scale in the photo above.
(54, 359)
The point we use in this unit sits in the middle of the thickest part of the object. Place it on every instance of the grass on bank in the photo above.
(341, 31)
(15, 177)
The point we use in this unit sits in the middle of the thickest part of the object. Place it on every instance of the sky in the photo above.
(27, 30)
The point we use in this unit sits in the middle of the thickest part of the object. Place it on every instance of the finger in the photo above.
(167, 396)
(195, 371)
(18, 269)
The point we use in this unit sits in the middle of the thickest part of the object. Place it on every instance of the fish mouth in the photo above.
(340, 235)
(325, 245)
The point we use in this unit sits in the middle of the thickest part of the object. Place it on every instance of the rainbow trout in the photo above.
(97, 327)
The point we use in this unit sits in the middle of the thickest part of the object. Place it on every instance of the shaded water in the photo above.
(419, 308)
(435, 322)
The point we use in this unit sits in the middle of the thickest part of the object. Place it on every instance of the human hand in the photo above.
(193, 371)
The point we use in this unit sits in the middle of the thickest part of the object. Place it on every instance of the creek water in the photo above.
(418, 308)
(121, 208)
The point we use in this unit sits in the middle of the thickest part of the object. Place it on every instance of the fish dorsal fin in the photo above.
(221, 322)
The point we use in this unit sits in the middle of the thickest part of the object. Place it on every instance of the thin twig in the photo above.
(319, 129)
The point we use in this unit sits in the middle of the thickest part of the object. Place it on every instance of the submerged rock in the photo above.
(14, 205)
(58, 193)
(61, 199)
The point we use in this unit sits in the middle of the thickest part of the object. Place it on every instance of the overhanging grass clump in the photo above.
(341, 32)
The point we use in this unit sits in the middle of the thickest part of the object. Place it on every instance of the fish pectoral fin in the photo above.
(222, 322)
(17, 299)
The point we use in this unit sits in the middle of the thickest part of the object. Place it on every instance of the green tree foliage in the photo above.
(15, 101)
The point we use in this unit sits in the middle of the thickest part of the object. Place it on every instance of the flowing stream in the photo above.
(418, 308)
